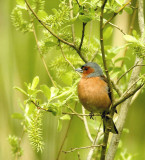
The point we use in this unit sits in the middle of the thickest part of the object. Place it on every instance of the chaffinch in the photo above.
(94, 93)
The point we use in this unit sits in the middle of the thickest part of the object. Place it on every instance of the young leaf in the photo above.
(130, 38)
(21, 90)
(128, 10)
(42, 14)
(85, 18)
(108, 32)
(54, 91)
(65, 117)
(59, 125)
(46, 91)
(21, 3)
(35, 82)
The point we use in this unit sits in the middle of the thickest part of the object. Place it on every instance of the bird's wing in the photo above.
(105, 79)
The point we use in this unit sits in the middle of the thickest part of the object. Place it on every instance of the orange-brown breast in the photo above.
(93, 94)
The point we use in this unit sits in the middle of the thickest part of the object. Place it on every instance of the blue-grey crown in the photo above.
(98, 71)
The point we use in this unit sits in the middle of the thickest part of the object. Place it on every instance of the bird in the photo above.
(94, 93)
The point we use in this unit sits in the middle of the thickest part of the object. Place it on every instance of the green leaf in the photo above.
(54, 91)
(21, 4)
(130, 38)
(17, 116)
(50, 44)
(35, 82)
(21, 90)
(46, 91)
(128, 10)
(120, 2)
(121, 59)
(67, 78)
(85, 18)
(108, 32)
(59, 125)
(65, 117)
(42, 14)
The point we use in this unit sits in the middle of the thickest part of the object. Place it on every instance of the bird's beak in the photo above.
(79, 70)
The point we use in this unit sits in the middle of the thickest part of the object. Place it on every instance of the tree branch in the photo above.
(117, 12)
(44, 25)
(71, 16)
(86, 147)
(121, 100)
(128, 71)
(125, 105)
(86, 126)
(106, 134)
(83, 34)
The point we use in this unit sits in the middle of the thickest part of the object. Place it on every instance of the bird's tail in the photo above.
(108, 123)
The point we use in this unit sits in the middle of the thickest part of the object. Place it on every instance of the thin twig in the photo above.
(78, 3)
(69, 113)
(67, 59)
(41, 55)
(128, 71)
(114, 25)
(86, 126)
(66, 133)
(86, 147)
(122, 99)
(106, 134)
(71, 16)
(83, 34)
(79, 157)
(95, 142)
(60, 39)
(130, 28)
(117, 12)
(115, 87)
(73, 111)
(44, 25)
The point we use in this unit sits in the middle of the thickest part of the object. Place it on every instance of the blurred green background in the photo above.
(19, 63)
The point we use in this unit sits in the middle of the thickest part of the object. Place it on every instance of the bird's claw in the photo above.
(91, 114)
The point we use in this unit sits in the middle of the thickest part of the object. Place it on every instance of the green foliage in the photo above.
(137, 45)
(35, 131)
(19, 22)
(59, 100)
(15, 146)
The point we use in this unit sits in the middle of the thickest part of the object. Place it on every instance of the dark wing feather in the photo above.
(105, 79)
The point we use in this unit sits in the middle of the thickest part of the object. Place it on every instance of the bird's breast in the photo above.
(93, 94)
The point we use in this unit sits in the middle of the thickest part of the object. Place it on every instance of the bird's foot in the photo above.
(91, 114)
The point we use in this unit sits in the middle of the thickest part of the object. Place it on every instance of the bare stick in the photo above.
(117, 12)
(124, 107)
(62, 144)
(78, 3)
(41, 55)
(97, 138)
(106, 134)
(86, 126)
(121, 100)
(71, 16)
(128, 71)
(60, 39)
(83, 34)
(121, 30)
(115, 87)
(69, 113)
(44, 25)
(86, 147)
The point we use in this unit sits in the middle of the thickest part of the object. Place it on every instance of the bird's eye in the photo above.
(85, 68)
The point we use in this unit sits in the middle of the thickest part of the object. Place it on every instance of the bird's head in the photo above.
(90, 69)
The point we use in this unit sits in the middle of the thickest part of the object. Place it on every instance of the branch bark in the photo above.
(125, 106)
